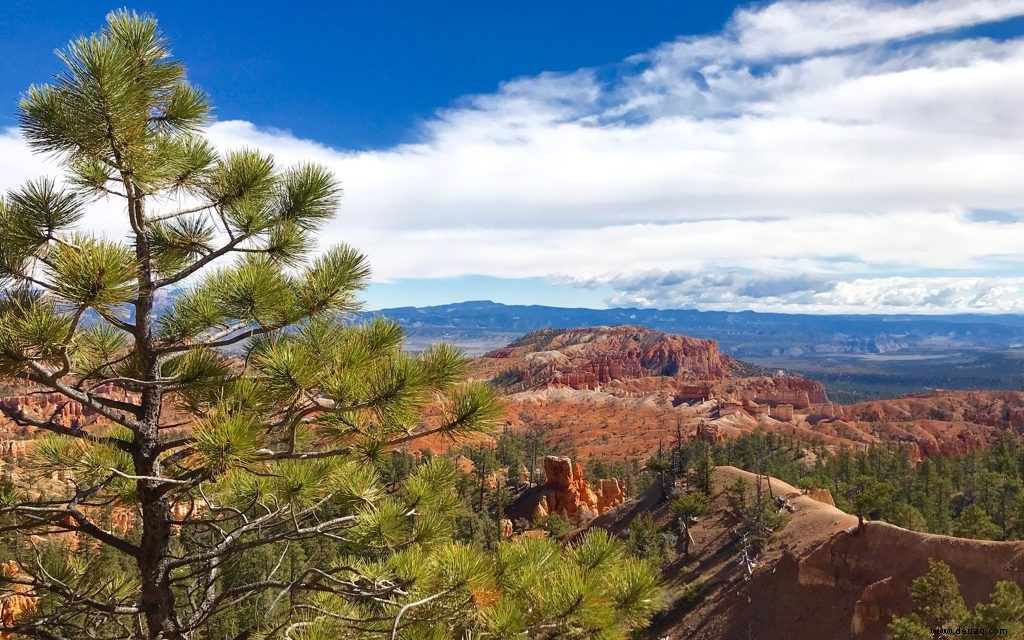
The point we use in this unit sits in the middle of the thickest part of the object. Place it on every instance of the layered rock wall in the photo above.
(589, 358)
(880, 560)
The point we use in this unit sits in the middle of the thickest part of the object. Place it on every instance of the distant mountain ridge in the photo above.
(741, 334)
(859, 357)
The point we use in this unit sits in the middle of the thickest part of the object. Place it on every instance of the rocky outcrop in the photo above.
(590, 358)
(879, 561)
(18, 600)
(16, 449)
(799, 392)
(709, 433)
(823, 496)
(782, 412)
(1003, 409)
(610, 494)
(875, 606)
(820, 576)
(565, 491)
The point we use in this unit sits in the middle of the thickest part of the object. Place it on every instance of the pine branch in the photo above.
(45, 378)
(233, 544)
(170, 350)
(23, 419)
(127, 327)
(418, 603)
(69, 595)
(182, 212)
(199, 264)
(32, 630)
(85, 525)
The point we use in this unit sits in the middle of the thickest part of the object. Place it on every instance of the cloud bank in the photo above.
(837, 156)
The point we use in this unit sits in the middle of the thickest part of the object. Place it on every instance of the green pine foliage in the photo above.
(975, 495)
(689, 506)
(241, 480)
(1004, 610)
(937, 596)
(938, 604)
(645, 539)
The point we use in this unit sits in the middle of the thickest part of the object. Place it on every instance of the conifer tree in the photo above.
(973, 522)
(234, 410)
(937, 595)
(939, 604)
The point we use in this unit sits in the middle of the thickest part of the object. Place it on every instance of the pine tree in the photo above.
(244, 426)
(687, 508)
(704, 469)
(660, 464)
(1004, 610)
(939, 604)
(973, 522)
(909, 628)
(937, 596)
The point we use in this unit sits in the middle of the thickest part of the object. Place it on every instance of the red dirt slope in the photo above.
(819, 577)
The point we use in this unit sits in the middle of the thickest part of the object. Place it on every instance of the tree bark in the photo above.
(157, 596)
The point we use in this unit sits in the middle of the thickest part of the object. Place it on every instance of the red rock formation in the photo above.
(16, 449)
(589, 358)
(876, 606)
(729, 408)
(823, 496)
(709, 433)
(577, 384)
(610, 494)
(465, 465)
(19, 602)
(567, 492)
(782, 412)
(799, 392)
(122, 519)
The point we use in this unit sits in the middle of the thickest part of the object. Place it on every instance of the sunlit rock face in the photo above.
(567, 492)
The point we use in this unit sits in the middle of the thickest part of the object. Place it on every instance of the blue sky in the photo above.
(809, 156)
(360, 74)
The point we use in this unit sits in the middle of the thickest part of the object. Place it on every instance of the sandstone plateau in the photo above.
(590, 358)
(617, 392)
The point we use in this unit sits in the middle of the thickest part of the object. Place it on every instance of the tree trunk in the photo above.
(157, 596)
(687, 539)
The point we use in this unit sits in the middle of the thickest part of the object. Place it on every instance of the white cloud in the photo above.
(811, 142)
(732, 290)
(800, 27)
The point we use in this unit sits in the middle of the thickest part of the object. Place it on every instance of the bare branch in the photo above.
(181, 212)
